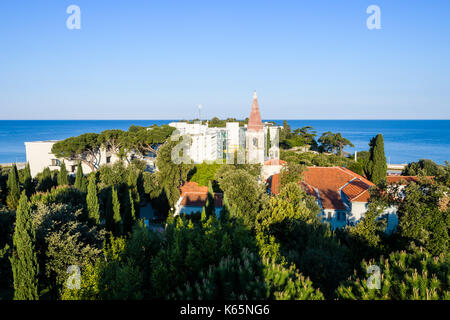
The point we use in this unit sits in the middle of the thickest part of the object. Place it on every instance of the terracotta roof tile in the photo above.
(402, 180)
(195, 195)
(275, 184)
(275, 162)
(357, 190)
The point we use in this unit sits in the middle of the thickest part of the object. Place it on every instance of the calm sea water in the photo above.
(405, 140)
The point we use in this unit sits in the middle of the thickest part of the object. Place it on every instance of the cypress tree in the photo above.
(92, 200)
(376, 167)
(203, 216)
(109, 212)
(116, 212)
(128, 210)
(210, 209)
(28, 180)
(268, 142)
(63, 178)
(12, 200)
(23, 260)
(46, 183)
(80, 180)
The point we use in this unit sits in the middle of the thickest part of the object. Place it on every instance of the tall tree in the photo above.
(80, 180)
(128, 212)
(171, 175)
(92, 200)
(63, 175)
(27, 180)
(375, 168)
(45, 180)
(24, 261)
(117, 220)
(268, 142)
(210, 207)
(13, 197)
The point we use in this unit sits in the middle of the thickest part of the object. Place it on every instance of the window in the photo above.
(108, 159)
(73, 168)
(255, 142)
(341, 216)
(56, 163)
(329, 216)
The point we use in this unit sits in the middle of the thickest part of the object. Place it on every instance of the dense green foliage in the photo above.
(259, 247)
(423, 167)
(403, 276)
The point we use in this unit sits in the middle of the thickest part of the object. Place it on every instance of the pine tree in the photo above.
(375, 168)
(80, 180)
(13, 197)
(63, 178)
(24, 261)
(28, 180)
(116, 212)
(92, 200)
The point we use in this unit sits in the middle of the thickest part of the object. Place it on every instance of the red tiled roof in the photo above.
(254, 122)
(275, 184)
(329, 181)
(402, 180)
(275, 162)
(357, 190)
(193, 187)
(196, 196)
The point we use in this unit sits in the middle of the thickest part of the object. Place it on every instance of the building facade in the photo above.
(249, 143)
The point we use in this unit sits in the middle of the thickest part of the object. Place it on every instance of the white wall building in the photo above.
(220, 143)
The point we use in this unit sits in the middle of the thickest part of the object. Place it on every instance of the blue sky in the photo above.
(160, 59)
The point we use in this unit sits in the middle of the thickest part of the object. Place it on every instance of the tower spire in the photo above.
(254, 122)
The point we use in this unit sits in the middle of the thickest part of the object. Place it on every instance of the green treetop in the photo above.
(80, 180)
(375, 168)
(13, 188)
(63, 178)
(92, 200)
(116, 212)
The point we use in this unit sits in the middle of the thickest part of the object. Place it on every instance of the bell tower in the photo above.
(255, 135)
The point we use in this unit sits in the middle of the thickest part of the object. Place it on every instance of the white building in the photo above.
(39, 155)
(220, 144)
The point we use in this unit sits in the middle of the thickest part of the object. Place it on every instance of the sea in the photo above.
(405, 140)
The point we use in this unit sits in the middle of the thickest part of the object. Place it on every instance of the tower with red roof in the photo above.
(255, 143)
